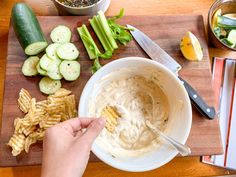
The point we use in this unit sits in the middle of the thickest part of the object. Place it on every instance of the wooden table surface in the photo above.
(188, 166)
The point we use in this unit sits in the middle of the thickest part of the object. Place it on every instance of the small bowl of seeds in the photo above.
(81, 7)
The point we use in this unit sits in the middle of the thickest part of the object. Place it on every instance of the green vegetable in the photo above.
(61, 34)
(51, 51)
(119, 32)
(88, 42)
(226, 42)
(67, 51)
(29, 66)
(49, 86)
(226, 22)
(101, 34)
(41, 71)
(96, 65)
(232, 37)
(70, 70)
(45, 62)
(107, 31)
(220, 32)
(27, 29)
(103, 21)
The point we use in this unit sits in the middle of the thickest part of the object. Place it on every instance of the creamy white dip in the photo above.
(137, 98)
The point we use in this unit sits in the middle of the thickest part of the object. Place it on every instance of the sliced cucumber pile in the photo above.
(57, 63)
(49, 86)
(29, 67)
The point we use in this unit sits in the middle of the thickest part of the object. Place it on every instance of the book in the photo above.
(224, 72)
(217, 78)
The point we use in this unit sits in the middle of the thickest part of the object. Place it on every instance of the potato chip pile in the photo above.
(39, 116)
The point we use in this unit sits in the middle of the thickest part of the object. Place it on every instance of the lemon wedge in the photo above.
(190, 47)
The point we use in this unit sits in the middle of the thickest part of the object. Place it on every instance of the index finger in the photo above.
(76, 124)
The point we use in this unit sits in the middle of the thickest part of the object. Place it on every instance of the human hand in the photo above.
(66, 147)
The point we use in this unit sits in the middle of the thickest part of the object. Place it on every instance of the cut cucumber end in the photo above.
(35, 48)
(49, 86)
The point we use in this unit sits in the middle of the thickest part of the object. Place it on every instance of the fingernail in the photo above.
(101, 121)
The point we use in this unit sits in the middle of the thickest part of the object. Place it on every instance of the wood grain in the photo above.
(204, 137)
(179, 167)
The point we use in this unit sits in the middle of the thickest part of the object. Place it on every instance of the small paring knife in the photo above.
(156, 53)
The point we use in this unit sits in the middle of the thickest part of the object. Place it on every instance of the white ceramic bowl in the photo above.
(87, 10)
(178, 126)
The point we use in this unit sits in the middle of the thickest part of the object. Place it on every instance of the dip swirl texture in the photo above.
(137, 98)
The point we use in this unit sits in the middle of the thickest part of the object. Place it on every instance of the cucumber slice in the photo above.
(49, 86)
(61, 34)
(51, 51)
(232, 37)
(70, 70)
(67, 51)
(226, 42)
(54, 72)
(40, 70)
(45, 62)
(226, 22)
(29, 66)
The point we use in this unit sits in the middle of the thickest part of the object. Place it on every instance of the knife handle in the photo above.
(198, 102)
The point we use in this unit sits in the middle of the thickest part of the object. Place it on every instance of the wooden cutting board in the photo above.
(167, 31)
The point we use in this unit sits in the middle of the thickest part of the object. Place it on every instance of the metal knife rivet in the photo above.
(194, 96)
(208, 110)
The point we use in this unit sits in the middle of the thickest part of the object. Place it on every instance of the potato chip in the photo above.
(39, 134)
(17, 143)
(70, 106)
(24, 100)
(40, 116)
(111, 115)
(28, 129)
(61, 93)
(28, 142)
(50, 121)
(55, 108)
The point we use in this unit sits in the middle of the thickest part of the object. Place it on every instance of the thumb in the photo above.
(93, 130)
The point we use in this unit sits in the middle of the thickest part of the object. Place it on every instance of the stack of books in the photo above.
(224, 79)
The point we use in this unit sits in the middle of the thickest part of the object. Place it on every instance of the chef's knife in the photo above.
(158, 54)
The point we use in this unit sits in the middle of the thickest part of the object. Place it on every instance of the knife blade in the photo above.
(156, 53)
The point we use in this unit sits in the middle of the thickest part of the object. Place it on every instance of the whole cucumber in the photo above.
(27, 29)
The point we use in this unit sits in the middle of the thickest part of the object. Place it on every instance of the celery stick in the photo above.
(91, 39)
(88, 42)
(100, 34)
(103, 21)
